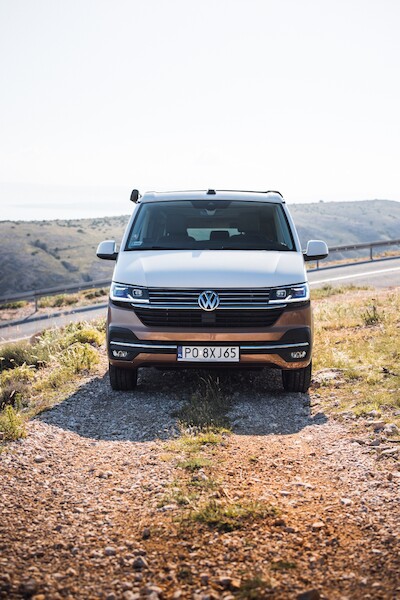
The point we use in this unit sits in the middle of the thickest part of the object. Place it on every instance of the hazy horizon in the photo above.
(35, 202)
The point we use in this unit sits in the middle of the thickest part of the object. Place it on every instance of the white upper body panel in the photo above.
(210, 268)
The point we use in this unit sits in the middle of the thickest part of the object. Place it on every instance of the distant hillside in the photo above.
(41, 254)
(341, 223)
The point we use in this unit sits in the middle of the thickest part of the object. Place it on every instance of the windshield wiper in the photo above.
(140, 248)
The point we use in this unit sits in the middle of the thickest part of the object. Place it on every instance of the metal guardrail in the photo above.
(362, 246)
(54, 291)
(36, 294)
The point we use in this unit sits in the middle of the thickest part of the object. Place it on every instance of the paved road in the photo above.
(33, 325)
(379, 273)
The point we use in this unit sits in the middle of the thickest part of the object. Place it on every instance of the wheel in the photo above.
(297, 380)
(122, 379)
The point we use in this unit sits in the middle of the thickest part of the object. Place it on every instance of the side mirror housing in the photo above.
(107, 250)
(135, 195)
(316, 250)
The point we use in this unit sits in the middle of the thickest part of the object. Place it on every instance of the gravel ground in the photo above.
(84, 513)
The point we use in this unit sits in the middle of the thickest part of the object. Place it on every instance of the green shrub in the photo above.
(79, 357)
(371, 316)
(14, 385)
(87, 334)
(57, 301)
(232, 515)
(12, 425)
(90, 294)
(15, 355)
(16, 304)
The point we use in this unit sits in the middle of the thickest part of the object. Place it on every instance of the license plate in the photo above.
(208, 353)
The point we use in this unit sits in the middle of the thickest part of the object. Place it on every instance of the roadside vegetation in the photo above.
(34, 375)
(11, 311)
(331, 290)
(357, 352)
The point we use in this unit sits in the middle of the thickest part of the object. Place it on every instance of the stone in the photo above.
(39, 459)
(139, 563)
(375, 414)
(146, 533)
(376, 425)
(318, 525)
(110, 551)
(390, 452)
(126, 585)
(309, 595)
(28, 587)
(153, 590)
(346, 501)
(391, 429)
(128, 595)
(229, 583)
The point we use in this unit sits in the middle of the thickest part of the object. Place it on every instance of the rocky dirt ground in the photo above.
(99, 502)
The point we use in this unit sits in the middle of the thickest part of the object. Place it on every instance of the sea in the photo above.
(43, 203)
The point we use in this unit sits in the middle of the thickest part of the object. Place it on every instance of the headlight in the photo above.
(128, 293)
(295, 293)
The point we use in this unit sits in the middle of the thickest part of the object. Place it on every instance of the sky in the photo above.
(101, 96)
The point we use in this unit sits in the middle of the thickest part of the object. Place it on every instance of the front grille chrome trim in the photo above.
(193, 306)
(145, 346)
(241, 346)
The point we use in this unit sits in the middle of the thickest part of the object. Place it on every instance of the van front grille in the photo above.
(228, 297)
(197, 318)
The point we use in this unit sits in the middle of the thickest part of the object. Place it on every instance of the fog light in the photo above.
(120, 353)
(298, 354)
(281, 294)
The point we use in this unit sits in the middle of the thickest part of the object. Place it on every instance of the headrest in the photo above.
(219, 235)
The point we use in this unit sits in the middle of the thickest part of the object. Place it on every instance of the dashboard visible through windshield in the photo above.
(198, 225)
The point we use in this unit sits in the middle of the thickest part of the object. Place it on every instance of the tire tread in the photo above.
(122, 379)
(297, 380)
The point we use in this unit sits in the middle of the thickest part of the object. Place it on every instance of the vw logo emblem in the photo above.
(208, 300)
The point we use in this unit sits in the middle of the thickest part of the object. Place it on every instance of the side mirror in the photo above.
(316, 250)
(107, 250)
(135, 195)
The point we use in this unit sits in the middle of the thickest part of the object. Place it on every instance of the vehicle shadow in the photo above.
(257, 405)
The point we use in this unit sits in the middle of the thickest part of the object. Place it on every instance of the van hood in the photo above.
(209, 268)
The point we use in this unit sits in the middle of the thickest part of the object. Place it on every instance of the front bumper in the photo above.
(291, 351)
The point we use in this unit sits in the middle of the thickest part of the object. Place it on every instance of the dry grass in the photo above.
(208, 406)
(76, 299)
(358, 336)
(228, 516)
(35, 375)
(12, 425)
(334, 290)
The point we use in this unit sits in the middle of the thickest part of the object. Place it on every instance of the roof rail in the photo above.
(135, 196)
(273, 192)
(255, 192)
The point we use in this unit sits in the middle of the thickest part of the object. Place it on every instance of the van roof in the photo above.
(214, 195)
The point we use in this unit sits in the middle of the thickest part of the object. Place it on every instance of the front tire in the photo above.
(297, 380)
(122, 379)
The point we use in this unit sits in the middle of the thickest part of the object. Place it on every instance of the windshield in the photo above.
(197, 225)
